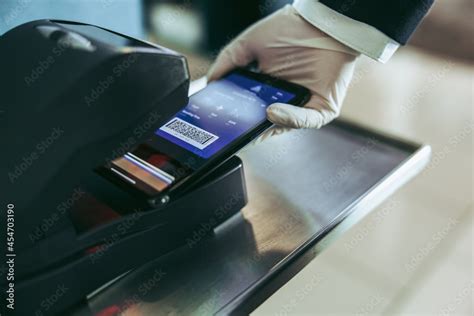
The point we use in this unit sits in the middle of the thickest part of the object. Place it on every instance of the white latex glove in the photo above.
(288, 47)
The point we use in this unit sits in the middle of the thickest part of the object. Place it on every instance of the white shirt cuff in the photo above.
(359, 36)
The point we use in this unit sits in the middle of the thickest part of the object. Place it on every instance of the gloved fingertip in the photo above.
(274, 109)
(215, 72)
(221, 66)
(278, 114)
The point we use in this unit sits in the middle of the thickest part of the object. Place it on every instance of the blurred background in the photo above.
(200, 28)
(424, 94)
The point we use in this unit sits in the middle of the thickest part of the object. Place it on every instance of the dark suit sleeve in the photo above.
(396, 19)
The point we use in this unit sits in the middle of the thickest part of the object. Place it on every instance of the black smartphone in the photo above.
(216, 123)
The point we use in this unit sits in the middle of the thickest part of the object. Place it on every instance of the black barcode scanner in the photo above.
(69, 87)
(75, 96)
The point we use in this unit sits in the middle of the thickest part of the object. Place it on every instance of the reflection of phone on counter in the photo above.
(217, 122)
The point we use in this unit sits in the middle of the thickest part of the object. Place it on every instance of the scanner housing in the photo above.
(76, 96)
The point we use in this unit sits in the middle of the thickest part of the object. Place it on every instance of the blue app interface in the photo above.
(220, 113)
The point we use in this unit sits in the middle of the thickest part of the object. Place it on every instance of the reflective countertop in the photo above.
(305, 188)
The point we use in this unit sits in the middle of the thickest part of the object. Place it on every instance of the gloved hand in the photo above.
(288, 47)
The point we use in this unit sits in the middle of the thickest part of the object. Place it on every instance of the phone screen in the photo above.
(214, 117)
(220, 113)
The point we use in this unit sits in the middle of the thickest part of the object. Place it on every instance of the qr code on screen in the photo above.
(189, 133)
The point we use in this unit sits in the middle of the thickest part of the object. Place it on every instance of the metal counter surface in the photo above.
(305, 188)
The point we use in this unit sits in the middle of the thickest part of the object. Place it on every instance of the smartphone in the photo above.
(216, 123)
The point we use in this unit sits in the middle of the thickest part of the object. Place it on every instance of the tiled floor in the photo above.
(418, 258)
